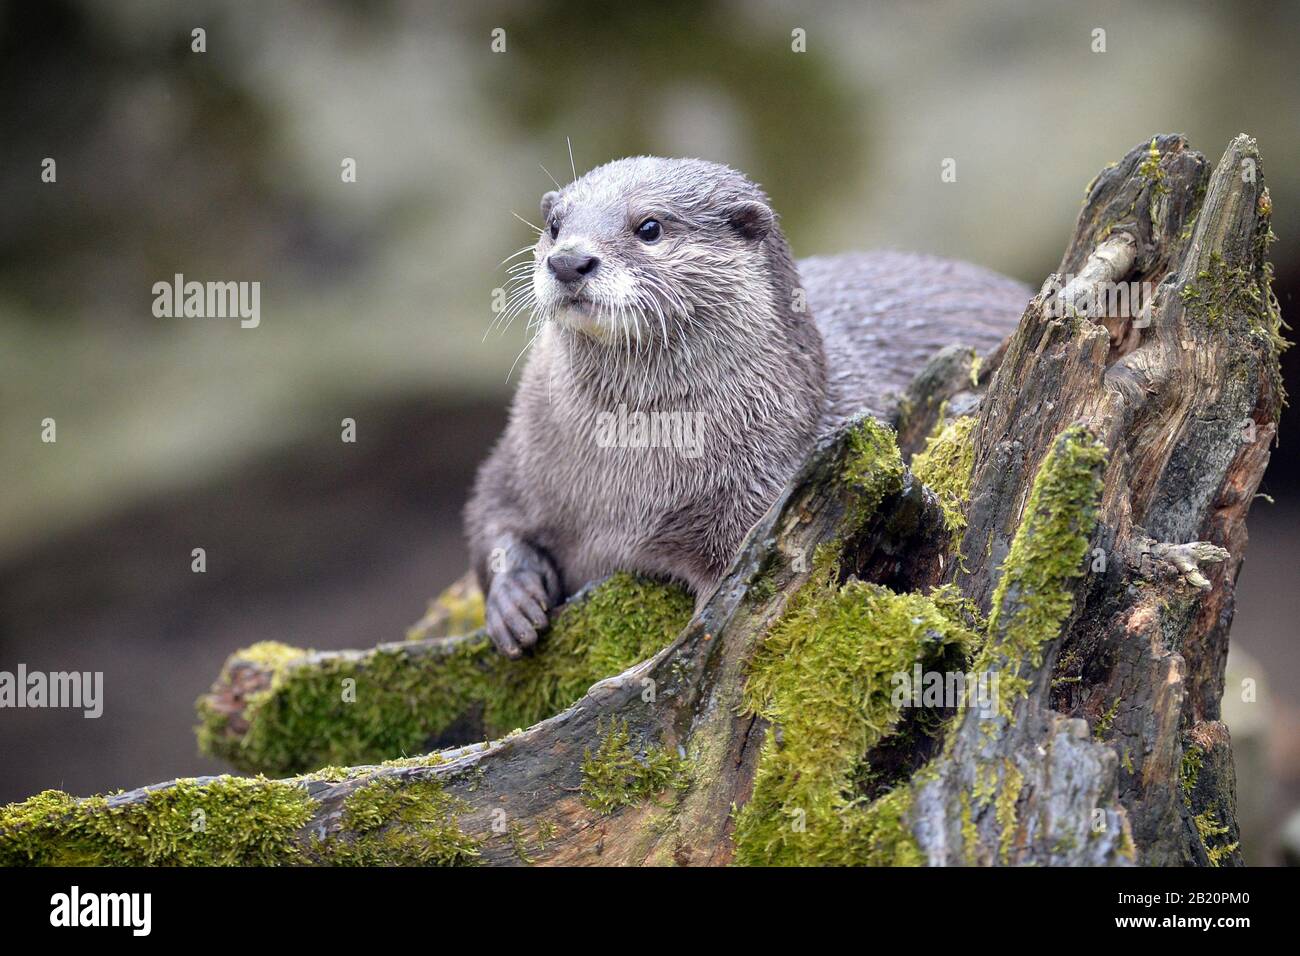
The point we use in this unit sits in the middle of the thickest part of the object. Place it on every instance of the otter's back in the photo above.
(883, 315)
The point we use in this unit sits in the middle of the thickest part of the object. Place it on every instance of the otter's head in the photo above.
(649, 248)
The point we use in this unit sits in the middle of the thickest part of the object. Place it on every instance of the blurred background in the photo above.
(175, 434)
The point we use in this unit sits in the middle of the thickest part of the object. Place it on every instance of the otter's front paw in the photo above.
(518, 601)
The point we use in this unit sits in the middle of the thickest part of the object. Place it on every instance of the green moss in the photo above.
(1206, 823)
(223, 821)
(823, 678)
(1237, 299)
(1189, 771)
(882, 833)
(945, 466)
(334, 774)
(1034, 595)
(970, 838)
(1150, 169)
(519, 842)
(1208, 828)
(1127, 848)
(391, 822)
(873, 469)
(1004, 808)
(546, 831)
(1102, 727)
(618, 773)
(393, 700)
(958, 607)
(1222, 294)
(236, 821)
(986, 783)
(271, 654)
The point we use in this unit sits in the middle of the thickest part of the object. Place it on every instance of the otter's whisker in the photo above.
(518, 252)
(514, 314)
(552, 178)
(517, 299)
(520, 300)
(536, 229)
(521, 354)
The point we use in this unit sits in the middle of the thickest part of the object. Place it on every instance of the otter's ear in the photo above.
(751, 218)
(548, 200)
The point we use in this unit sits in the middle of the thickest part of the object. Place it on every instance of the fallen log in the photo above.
(1067, 536)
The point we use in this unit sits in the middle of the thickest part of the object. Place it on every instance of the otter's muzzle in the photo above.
(571, 269)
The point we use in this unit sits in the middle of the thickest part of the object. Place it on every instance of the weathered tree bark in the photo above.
(1112, 452)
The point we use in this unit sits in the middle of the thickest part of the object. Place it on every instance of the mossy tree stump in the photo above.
(1073, 524)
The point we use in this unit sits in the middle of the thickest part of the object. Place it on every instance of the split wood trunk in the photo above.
(1153, 415)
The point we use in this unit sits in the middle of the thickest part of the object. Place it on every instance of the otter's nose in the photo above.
(571, 269)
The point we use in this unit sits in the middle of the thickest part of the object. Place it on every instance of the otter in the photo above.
(682, 368)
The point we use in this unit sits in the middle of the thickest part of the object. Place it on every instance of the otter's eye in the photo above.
(555, 228)
(649, 231)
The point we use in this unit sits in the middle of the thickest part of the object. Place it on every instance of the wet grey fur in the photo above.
(716, 319)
